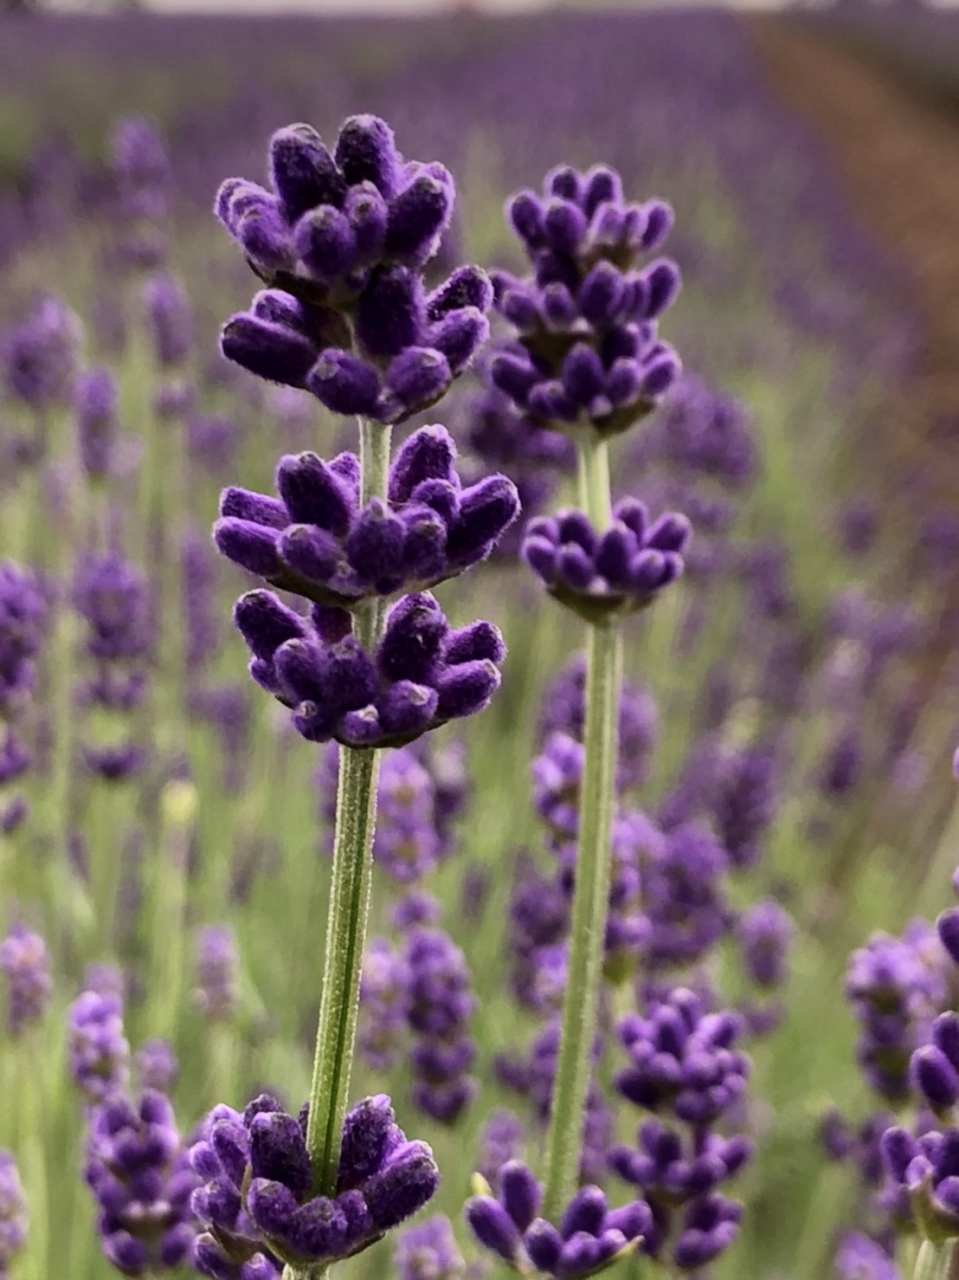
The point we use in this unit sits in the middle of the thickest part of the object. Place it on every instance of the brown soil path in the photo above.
(899, 158)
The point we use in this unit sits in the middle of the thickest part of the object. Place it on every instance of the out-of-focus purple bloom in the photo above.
(111, 594)
(384, 1005)
(441, 1002)
(590, 1236)
(745, 801)
(95, 400)
(423, 673)
(23, 615)
(428, 1252)
(316, 541)
(896, 988)
(156, 1066)
(704, 433)
(97, 1049)
(842, 767)
(556, 774)
(765, 934)
(170, 315)
(217, 972)
(25, 963)
(406, 844)
(564, 708)
(927, 1169)
(502, 1139)
(617, 571)
(141, 172)
(683, 1059)
(683, 896)
(861, 1258)
(139, 1172)
(39, 358)
(14, 1212)
(257, 1193)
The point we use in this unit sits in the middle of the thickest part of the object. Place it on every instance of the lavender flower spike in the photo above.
(25, 962)
(98, 1051)
(315, 541)
(257, 1196)
(14, 1212)
(601, 574)
(589, 1238)
(422, 673)
(139, 1173)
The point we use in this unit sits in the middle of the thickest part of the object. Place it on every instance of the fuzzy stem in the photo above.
(591, 891)
(349, 892)
(934, 1260)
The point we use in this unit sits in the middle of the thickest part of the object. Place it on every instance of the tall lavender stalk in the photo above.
(341, 241)
(588, 361)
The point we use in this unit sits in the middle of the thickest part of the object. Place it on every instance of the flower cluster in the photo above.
(342, 240)
(316, 541)
(588, 350)
(39, 358)
(617, 571)
(98, 1050)
(217, 966)
(141, 175)
(95, 399)
(138, 1170)
(927, 1169)
(896, 990)
(25, 963)
(428, 1252)
(440, 1004)
(589, 1237)
(14, 1212)
(23, 614)
(423, 672)
(258, 1194)
(684, 1062)
(112, 596)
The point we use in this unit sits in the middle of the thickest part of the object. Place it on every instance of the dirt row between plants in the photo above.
(899, 159)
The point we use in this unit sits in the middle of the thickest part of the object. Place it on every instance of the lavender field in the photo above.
(478, 667)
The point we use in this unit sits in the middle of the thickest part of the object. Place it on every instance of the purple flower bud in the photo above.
(313, 493)
(947, 926)
(265, 623)
(391, 312)
(344, 383)
(325, 242)
(303, 172)
(418, 217)
(366, 152)
(460, 336)
(493, 1227)
(368, 213)
(414, 380)
(268, 350)
(466, 287)
(525, 213)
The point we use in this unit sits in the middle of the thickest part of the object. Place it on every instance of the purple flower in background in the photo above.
(95, 403)
(927, 1169)
(861, 1258)
(97, 1050)
(316, 541)
(406, 844)
(428, 1252)
(25, 963)
(502, 1139)
(156, 1066)
(564, 708)
(896, 988)
(14, 1212)
(142, 178)
(683, 896)
(765, 934)
(23, 616)
(384, 1005)
(39, 358)
(257, 1193)
(702, 432)
(589, 1237)
(170, 315)
(441, 1002)
(139, 1172)
(217, 973)
(619, 571)
(422, 674)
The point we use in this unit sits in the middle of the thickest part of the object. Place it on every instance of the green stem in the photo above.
(591, 892)
(934, 1260)
(349, 894)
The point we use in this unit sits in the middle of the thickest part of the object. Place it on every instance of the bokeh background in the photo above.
(812, 157)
